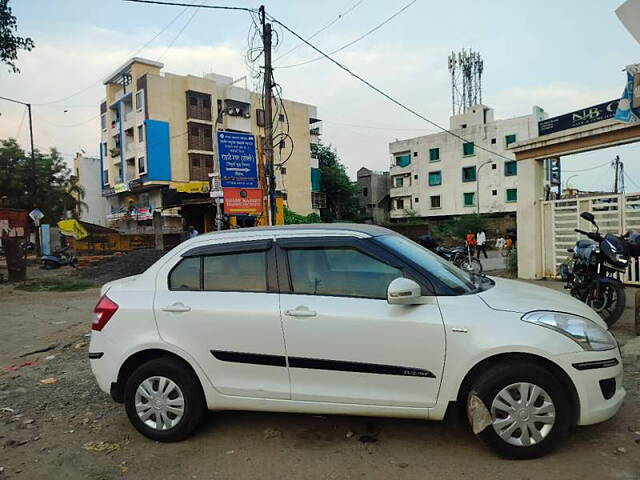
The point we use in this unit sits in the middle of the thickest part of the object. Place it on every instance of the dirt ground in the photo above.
(70, 429)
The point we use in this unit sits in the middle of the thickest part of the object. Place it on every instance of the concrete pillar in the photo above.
(157, 229)
(529, 221)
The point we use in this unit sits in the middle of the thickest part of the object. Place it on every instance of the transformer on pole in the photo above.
(466, 69)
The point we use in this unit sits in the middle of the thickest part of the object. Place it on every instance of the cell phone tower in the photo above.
(466, 69)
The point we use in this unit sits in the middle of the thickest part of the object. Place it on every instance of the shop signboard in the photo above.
(243, 201)
(238, 163)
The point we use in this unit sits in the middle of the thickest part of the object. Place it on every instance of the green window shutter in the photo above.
(510, 168)
(468, 149)
(398, 181)
(315, 179)
(468, 199)
(512, 194)
(403, 160)
(434, 154)
(435, 178)
(469, 174)
(509, 139)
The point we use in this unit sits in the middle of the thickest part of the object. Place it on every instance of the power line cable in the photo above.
(178, 35)
(587, 169)
(322, 29)
(383, 93)
(366, 34)
(180, 4)
(131, 55)
(24, 114)
(628, 177)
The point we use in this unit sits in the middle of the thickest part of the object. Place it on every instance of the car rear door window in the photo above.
(338, 271)
(235, 272)
(185, 275)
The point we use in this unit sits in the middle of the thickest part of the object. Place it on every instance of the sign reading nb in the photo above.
(578, 118)
(238, 165)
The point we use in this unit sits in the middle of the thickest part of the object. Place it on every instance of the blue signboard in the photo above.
(238, 165)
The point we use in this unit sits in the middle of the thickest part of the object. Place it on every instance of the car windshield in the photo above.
(456, 279)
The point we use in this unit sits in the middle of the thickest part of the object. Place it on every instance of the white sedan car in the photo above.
(349, 319)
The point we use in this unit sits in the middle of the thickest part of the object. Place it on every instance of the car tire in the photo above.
(169, 395)
(522, 437)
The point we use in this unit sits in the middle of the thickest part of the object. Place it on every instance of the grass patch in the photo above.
(55, 285)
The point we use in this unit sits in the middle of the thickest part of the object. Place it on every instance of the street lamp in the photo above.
(478, 185)
(566, 185)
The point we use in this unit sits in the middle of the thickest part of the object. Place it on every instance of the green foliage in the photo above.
(53, 190)
(293, 218)
(10, 43)
(342, 193)
(512, 262)
(458, 227)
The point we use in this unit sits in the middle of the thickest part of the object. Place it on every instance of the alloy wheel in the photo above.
(159, 403)
(523, 414)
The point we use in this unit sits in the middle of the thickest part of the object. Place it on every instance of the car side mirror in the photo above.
(588, 216)
(403, 291)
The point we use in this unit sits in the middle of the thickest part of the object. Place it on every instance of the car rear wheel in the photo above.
(529, 414)
(164, 400)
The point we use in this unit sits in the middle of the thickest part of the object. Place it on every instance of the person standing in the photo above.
(192, 232)
(471, 242)
(481, 239)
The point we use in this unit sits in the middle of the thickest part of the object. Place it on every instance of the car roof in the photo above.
(360, 229)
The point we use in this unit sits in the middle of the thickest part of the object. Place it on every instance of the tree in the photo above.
(10, 43)
(48, 187)
(341, 192)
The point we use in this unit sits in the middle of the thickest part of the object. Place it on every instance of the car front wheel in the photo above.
(528, 410)
(163, 400)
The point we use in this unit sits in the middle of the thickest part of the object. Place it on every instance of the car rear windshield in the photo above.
(457, 280)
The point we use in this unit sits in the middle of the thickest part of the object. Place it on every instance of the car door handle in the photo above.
(177, 307)
(300, 311)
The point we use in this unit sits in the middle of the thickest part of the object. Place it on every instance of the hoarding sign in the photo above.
(578, 118)
(238, 164)
(242, 201)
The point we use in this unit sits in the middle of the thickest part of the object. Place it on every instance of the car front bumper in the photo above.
(597, 377)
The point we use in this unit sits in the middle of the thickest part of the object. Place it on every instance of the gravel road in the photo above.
(55, 423)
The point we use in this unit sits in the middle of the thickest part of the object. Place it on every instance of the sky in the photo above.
(562, 56)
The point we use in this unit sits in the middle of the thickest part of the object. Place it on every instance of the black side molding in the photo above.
(611, 362)
(320, 364)
(95, 355)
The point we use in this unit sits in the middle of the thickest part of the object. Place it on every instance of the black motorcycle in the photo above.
(593, 272)
(461, 256)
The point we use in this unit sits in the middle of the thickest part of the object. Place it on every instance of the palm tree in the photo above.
(73, 198)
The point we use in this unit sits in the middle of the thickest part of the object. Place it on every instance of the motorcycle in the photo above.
(592, 273)
(461, 256)
(59, 258)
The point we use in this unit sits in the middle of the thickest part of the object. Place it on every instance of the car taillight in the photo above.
(104, 311)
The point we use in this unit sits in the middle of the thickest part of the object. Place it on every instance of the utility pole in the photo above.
(34, 184)
(268, 120)
(478, 185)
(616, 163)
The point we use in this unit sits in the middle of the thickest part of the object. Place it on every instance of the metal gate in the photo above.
(614, 213)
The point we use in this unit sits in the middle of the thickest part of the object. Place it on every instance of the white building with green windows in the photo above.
(440, 175)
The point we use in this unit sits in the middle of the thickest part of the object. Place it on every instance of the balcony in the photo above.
(315, 127)
(115, 152)
(403, 191)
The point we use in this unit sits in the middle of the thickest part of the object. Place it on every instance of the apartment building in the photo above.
(94, 207)
(374, 196)
(439, 175)
(158, 145)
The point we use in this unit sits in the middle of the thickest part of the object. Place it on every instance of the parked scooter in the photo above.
(461, 256)
(593, 271)
(59, 258)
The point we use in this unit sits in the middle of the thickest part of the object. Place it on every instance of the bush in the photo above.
(293, 218)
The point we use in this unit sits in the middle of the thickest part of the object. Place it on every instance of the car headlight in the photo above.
(583, 331)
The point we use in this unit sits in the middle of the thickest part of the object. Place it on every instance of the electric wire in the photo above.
(383, 93)
(341, 15)
(145, 45)
(181, 4)
(178, 34)
(353, 42)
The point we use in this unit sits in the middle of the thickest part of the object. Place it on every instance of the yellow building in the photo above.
(158, 146)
